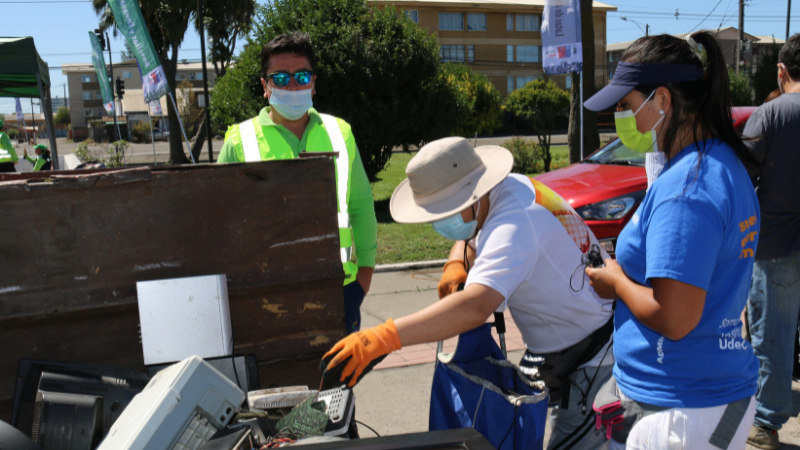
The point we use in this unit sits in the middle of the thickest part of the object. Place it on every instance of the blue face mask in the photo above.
(291, 104)
(454, 227)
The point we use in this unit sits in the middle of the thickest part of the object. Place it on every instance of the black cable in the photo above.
(369, 427)
(513, 423)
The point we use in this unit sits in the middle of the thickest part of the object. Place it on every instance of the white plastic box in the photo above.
(183, 317)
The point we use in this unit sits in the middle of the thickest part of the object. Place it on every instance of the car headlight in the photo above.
(611, 209)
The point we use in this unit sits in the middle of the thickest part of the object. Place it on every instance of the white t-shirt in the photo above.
(525, 253)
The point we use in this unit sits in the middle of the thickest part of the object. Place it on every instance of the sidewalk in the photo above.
(395, 397)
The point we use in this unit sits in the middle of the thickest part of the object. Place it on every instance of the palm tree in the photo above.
(167, 22)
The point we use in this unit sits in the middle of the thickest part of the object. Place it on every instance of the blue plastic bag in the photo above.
(476, 387)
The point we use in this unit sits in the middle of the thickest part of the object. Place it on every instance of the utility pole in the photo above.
(66, 102)
(205, 79)
(647, 29)
(740, 42)
(788, 18)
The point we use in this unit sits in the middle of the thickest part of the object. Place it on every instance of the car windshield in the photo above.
(617, 154)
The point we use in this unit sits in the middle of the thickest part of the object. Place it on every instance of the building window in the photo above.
(476, 22)
(528, 53)
(451, 53)
(527, 22)
(87, 95)
(413, 15)
(610, 75)
(201, 101)
(98, 95)
(451, 21)
(510, 53)
(87, 113)
(471, 53)
(510, 84)
(191, 76)
(86, 78)
(180, 76)
(126, 74)
(509, 22)
(198, 76)
(101, 112)
(569, 81)
(522, 81)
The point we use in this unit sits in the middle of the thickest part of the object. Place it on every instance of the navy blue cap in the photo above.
(630, 75)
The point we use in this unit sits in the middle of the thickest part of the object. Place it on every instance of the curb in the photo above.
(398, 267)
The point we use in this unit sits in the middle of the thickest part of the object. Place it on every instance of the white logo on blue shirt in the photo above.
(660, 347)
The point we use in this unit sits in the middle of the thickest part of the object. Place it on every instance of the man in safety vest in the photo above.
(8, 156)
(290, 126)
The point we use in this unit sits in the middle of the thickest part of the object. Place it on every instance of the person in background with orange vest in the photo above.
(290, 126)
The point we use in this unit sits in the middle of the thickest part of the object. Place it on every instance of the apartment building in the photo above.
(500, 38)
(753, 49)
(86, 103)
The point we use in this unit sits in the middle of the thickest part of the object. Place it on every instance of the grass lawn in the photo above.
(404, 243)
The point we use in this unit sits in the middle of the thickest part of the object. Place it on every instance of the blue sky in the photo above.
(60, 28)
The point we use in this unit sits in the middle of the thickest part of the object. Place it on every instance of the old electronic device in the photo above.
(340, 404)
(278, 398)
(181, 408)
(71, 421)
(13, 439)
(183, 317)
(241, 369)
(115, 387)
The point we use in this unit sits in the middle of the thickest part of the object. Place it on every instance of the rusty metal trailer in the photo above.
(74, 244)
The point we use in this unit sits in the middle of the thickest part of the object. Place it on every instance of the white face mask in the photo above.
(291, 104)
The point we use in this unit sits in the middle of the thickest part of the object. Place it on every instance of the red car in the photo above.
(607, 187)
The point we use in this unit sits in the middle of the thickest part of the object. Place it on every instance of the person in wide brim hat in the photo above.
(517, 243)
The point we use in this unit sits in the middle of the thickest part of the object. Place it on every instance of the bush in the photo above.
(527, 155)
(539, 102)
(113, 156)
(765, 79)
(479, 108)
(741, 93)
(141, 131)
(96, 123)
(12, 133)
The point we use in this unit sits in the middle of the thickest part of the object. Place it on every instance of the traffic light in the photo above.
(120, 88)
(100, 37)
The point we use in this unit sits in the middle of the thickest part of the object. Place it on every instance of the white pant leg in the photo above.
(684, 429)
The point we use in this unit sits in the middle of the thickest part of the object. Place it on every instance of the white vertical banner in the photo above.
(561, 37)
(20, 115)
(155, 107)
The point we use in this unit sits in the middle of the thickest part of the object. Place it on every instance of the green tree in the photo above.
(191, 113)
(741, 92)
(479, 107)
(225, 22)
(62, 116)
(539, 101)
(375, 69)
(765, 80)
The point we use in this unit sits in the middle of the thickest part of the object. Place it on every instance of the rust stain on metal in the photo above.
(320, 340)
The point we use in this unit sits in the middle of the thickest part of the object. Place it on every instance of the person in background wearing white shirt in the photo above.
(528, 243)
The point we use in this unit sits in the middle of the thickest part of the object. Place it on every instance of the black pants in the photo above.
(7, 167)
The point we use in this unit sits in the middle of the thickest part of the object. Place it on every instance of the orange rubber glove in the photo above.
(454, 274)
(354, 356)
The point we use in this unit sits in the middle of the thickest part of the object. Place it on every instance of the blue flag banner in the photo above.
(20, 115)
(561, 37)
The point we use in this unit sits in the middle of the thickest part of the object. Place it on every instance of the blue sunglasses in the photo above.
(281, 79)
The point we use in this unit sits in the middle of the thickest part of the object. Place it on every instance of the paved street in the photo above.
(143, 153)
(395, 398)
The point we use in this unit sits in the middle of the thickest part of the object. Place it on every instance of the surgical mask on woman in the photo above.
(291, 104)
(454, 227)
(635, 140)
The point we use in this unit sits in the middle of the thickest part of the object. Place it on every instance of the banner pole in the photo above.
(581, 115)
(33, 119)
(177, 114)
(152, 136)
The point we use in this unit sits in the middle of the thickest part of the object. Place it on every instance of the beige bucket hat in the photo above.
(445, 177)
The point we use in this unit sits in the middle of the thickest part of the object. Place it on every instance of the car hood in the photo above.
(584, 183)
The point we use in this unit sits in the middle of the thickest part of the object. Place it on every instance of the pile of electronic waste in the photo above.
(187, 405)
(196, 395)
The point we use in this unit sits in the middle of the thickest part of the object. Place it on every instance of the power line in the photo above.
(706, 17)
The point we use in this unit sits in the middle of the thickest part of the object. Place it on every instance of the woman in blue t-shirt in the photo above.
(684, 261)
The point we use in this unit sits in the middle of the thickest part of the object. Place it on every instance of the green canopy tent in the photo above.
(24, 74)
